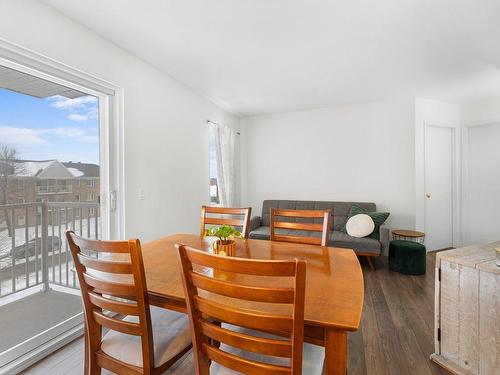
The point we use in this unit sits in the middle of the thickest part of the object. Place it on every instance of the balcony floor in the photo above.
(35, 313)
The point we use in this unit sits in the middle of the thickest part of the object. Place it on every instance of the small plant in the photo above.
(225, 234)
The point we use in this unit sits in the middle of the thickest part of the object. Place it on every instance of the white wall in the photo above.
(480, 112)
(166, 140)
(361, 152)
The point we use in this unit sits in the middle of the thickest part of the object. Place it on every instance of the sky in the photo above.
(52, 128)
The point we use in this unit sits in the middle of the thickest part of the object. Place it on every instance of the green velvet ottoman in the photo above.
(407, 257)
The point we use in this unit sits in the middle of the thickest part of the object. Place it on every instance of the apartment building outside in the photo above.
(35, 181)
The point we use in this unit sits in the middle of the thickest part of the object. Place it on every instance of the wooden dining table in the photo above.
(334, 286)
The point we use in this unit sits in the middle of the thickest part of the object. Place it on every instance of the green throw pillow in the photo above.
(378, 218)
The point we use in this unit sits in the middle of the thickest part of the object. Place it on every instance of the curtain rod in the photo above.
(211, 122)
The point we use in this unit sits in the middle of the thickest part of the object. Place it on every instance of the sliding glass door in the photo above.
(55, 158)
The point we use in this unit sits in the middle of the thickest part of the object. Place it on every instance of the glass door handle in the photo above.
(112, 200)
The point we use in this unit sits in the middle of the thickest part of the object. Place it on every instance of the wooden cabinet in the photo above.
(467, 310)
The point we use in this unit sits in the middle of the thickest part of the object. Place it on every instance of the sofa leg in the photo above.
(370, 262)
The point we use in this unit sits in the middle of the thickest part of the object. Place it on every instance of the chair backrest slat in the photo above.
(302, 226)
(242, 317)
(117, 325)
(222, 221)
(242, 218)
(109, 287)
(266, 346)
(102, 246)
(105, 266)
(244, 266)
(297, 239)
(249, 293)
(102, 281)
(323, 229)
(243, 365)
(213, 300)
(124, 308)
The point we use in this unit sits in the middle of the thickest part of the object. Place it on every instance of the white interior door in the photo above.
(439, 161)
(482, 182)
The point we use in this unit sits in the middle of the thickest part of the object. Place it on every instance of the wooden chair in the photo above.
(306, 224)
(229, 338)
(243, 221)
(141, 339)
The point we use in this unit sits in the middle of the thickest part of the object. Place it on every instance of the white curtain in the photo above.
(225, 139)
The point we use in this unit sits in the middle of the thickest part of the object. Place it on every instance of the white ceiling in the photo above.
(263, 56)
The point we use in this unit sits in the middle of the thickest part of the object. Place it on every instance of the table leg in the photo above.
(335, 352)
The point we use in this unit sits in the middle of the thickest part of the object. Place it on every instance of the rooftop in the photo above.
(52, 169)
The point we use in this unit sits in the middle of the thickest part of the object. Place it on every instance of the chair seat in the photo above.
(170, 336)
(312, 356)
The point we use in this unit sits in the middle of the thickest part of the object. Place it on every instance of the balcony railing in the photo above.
(54, 189)
(35, 252)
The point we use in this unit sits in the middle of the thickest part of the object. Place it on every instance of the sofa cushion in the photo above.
(337, 239)
(379, 218)
(340, 210)
(261, 233)
(359, 226)
(360, 245)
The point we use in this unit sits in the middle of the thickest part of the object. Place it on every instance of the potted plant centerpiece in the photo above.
(225, 244)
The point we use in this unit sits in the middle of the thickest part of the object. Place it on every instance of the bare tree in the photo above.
(8, 158)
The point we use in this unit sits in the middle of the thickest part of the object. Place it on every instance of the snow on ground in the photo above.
(60, 265)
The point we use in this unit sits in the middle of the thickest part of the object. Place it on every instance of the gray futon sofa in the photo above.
(367, 246)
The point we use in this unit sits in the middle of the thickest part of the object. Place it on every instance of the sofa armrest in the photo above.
(255, 223)
(385, 238)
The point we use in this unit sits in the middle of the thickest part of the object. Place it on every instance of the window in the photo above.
(91, 182)
(213, 188)
(222, 148)
(90, 197)
(77, 198)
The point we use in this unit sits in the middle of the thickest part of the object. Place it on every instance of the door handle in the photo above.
(112, 200)
(428, 195)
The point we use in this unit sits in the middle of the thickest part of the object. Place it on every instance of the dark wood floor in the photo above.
(396, 335)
